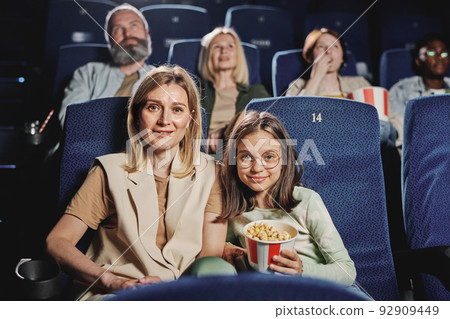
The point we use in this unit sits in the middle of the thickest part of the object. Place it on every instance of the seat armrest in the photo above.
(431, 260)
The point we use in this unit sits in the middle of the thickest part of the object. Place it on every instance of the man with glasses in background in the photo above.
(430, 63)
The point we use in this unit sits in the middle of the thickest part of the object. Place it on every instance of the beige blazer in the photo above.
(130, 249)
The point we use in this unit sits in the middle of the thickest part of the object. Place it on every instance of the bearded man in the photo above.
(126, 31)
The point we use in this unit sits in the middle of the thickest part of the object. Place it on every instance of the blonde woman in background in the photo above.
(225, 85)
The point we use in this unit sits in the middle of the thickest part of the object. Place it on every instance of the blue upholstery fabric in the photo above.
(92, 129)
(68, 23)
(185, 53)
(298, 8)
(395, 64)
(245, 287)
(288, 66)
(353, 6)
(342, 162)
(73, 56)
(402, 30)
(426, 179)
(356, 35)
(171, 22)
(217, 10)
(269, 28)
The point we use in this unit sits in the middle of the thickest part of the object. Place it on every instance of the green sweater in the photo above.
(246, 94)
(318, 242)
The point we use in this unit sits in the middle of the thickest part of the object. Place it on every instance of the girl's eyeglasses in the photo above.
(268, 160)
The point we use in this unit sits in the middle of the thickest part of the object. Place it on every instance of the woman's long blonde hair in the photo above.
(189, 148)
(205, 66)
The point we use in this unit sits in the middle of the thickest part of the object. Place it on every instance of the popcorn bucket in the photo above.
(375, 95)
(261, 252)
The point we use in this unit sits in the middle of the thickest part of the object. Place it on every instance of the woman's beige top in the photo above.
(224, 108)
(348, 84)
(137, 239)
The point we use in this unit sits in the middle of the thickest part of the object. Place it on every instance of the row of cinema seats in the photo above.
(391, 294)
(271, 28)
(266, 26)
(342, 162)
(287, 65)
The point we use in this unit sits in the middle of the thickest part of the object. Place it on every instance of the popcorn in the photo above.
(263, 231)
(266, 238)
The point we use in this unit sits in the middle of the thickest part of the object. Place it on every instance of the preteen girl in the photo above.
(261, 181)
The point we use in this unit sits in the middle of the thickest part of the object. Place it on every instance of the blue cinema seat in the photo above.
(299, 10)
(425, 189)
(74, 22)
(338, 142)
(250, 286)
(288, 65)
(70, 58)
(352, 6)
(217, 10)
(185, 53)
(172, 22)
(395, 64)
(404, 29)
(269, 28)
(91, 129)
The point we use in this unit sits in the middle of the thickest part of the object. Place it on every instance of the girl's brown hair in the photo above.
(237, 197)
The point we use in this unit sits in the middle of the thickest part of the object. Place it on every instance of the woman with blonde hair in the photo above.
(225, 87)
(155, 206)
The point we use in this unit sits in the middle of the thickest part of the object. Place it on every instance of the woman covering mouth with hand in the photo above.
(325, 50)
(325, 53)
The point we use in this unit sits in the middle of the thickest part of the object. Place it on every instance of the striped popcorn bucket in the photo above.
(375, 95)
(261, 252)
